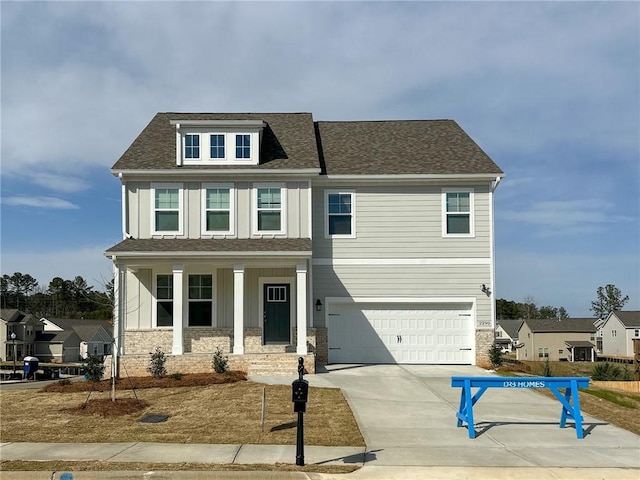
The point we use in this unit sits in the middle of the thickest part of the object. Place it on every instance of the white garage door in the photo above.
(400, 333)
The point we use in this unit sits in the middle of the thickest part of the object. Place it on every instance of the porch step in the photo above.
(285, 364)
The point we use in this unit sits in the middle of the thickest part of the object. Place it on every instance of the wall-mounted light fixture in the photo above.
(318, 305)
(486, 290)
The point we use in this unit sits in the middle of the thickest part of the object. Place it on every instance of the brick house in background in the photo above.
(273, 236)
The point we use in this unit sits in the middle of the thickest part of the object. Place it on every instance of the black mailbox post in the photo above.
(299, 397)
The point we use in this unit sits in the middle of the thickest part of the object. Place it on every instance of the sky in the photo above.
(549, 90)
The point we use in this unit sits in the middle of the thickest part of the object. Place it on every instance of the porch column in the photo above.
(238, 309)
(119, 284)
(301, 308)
(178, 309)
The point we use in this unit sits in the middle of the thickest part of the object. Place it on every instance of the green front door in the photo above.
(277, 311)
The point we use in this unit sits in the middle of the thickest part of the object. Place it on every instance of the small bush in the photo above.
(609, 372)
(495, 356)
(219, 361)
(176, 376)
(64, 381)
(546, 369)
(93, 369)
(157, 363)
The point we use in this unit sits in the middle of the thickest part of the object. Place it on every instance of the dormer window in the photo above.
(218, 142)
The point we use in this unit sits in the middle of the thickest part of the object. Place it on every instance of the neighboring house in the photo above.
(73, 340)
(507, 333)
(618, 331)
(25, 326)
(569, 339)
(273, 236)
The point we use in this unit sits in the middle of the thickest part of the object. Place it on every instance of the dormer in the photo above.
(218, 142)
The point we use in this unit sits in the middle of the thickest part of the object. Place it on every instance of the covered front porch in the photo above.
(581, 351)
(244, 303)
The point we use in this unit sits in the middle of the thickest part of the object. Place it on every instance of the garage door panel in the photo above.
(400, 333)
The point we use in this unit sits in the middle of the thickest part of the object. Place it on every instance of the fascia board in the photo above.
(218, 172)
(409, 177)
(219, 123)
(194, 254)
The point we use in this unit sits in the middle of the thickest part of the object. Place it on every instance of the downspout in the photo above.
(125, 209)
(492, 189)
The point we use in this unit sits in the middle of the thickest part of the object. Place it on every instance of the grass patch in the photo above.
(221, 413)
(622, 399)
(98, 466)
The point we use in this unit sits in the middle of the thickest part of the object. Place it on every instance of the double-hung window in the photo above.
(164, 300)
(167, 208)
(269, 208)
(457, 213)
(200, 300)
(216, 145)
(192, 146)
(340, 214)
(217, 208)
(243, 146)
(543, 352)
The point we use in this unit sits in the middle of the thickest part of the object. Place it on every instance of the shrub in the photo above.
(176, 376)
(157, 363)
(609, 372)
(546, 369)
(93, 369)
(495, 356)
(219, 362)
(64, 381)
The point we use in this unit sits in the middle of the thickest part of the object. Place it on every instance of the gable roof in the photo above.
(294, 141)
(580, 325)
(85, 329)
(400, 147)
(510, 326)
(11, 315)
(629, 318)
(288, 142)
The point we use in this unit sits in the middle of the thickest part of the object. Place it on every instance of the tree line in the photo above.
(60, 299)
(608, 298)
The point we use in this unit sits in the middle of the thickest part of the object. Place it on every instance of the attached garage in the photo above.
(390, 332)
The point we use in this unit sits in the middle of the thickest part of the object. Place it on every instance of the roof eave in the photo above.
(217, 254)
(221, 172)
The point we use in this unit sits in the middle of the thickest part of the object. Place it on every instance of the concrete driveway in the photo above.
(407, 414)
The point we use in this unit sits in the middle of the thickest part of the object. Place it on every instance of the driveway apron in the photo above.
(407, 415)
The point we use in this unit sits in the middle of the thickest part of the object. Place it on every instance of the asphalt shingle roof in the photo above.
(302, 245)
(629, 318)
(583, 325)
(400, 147)
(510, 326)
(288, 142)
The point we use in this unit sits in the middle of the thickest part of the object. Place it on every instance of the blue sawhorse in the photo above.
(570, 411)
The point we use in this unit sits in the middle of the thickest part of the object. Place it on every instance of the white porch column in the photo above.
(119, 275)
(238, 309)
(301, 308)
(178, 309)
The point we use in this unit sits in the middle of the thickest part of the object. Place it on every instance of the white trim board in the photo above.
(402, 261)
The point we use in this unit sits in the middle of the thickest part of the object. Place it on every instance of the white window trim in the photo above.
(472, 222)
(232, 208)
(154, 313)
(187, 300)
(170, 233)
(254, 210)
(352, 193)
(229, 147)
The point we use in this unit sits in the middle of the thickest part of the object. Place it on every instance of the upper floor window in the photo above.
(268, 208)
(167, 208)
(243, 146)
(457, 213)
(340, 214)
(164, 300)
(192, 146)
(216, 143)
(217, 208)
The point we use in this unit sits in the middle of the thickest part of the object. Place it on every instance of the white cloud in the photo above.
(39, 202)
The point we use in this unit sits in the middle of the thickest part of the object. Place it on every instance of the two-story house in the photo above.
(566, 339)
(619, 329)
(18, 332)
(272, 236)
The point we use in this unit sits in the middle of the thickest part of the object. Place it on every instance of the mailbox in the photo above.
(299, 395)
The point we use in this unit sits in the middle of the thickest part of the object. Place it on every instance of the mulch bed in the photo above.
(128, 383)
